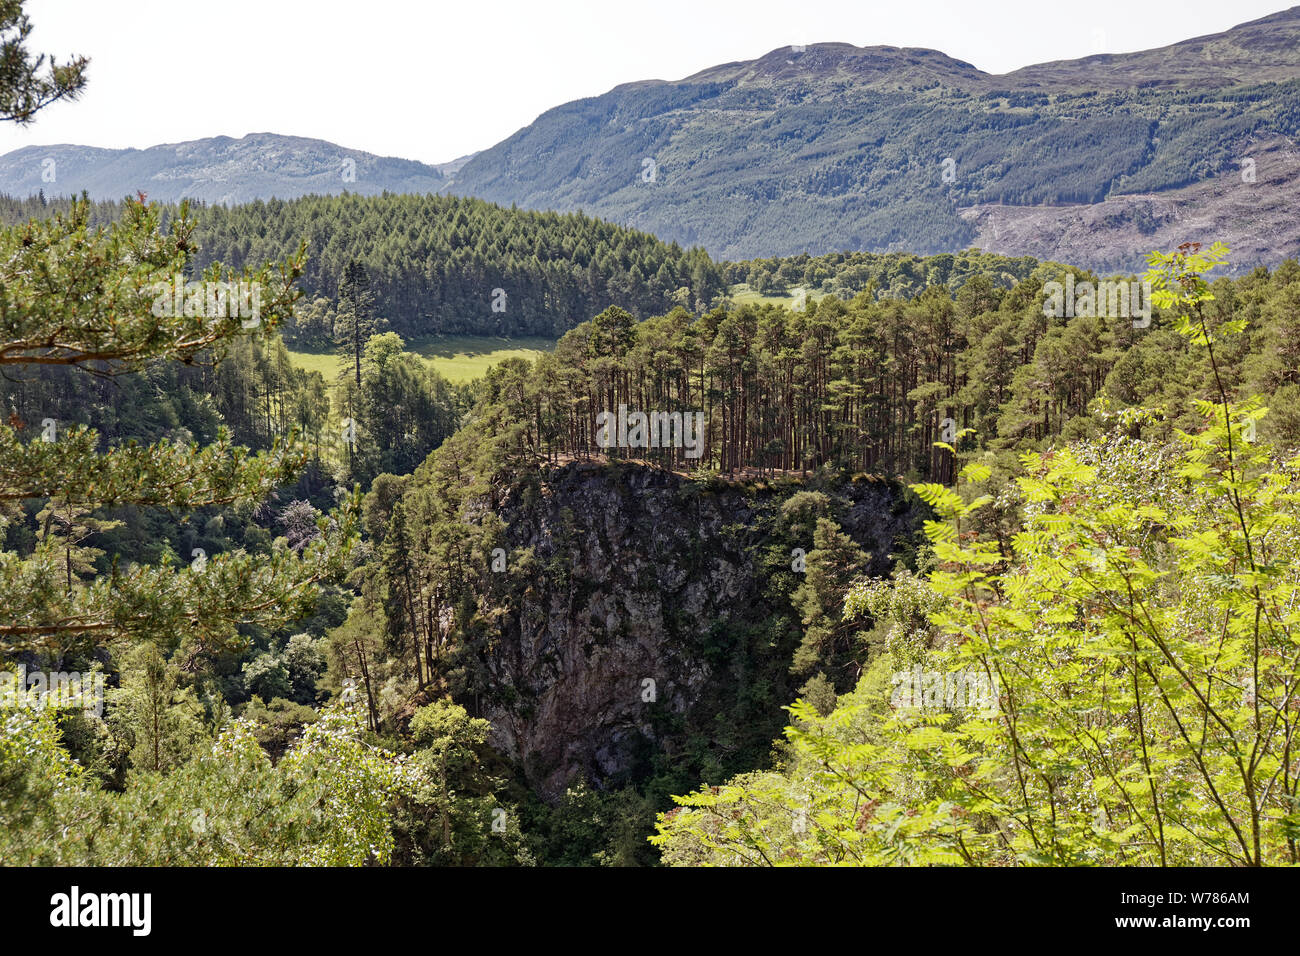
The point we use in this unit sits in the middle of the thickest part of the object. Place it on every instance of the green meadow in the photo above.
(742, 294)
(458, 358)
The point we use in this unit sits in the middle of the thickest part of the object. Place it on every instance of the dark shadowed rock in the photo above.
(648, 576)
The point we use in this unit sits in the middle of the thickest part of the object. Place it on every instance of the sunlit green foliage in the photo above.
(1143, 638)
(327, 802)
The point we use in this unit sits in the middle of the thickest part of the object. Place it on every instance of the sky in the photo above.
(433, 80)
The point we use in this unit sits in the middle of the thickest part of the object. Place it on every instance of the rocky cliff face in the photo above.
(658, 615)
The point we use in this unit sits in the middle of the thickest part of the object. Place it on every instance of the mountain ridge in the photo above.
(887, 149)
(218, 169)
(834, 147)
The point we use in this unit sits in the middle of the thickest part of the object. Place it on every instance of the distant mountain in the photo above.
(1261, 51)
(834, 147)
(217, 170)
(877, 148)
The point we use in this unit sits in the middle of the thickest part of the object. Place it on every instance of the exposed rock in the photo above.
(614, 652)
(1251, 209)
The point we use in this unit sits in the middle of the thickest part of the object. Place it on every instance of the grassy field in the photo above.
(742, 293)
(326, 363)
(458, 358)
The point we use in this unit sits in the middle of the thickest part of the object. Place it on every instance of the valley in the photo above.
(841, 456)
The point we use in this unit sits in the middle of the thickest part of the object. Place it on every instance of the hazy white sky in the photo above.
(434, 80)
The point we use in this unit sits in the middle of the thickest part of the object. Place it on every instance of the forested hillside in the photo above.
(1111, 402)
(825, 148)
(892, 274)
(435, 622)
(1108, 678)
(444, 264)
(435, 264)
(834, 147)
(867, 384)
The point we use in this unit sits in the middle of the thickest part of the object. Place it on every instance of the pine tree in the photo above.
(87, 297)
(355, 322)
(832, 566)
(24, 87)
(152, 713)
